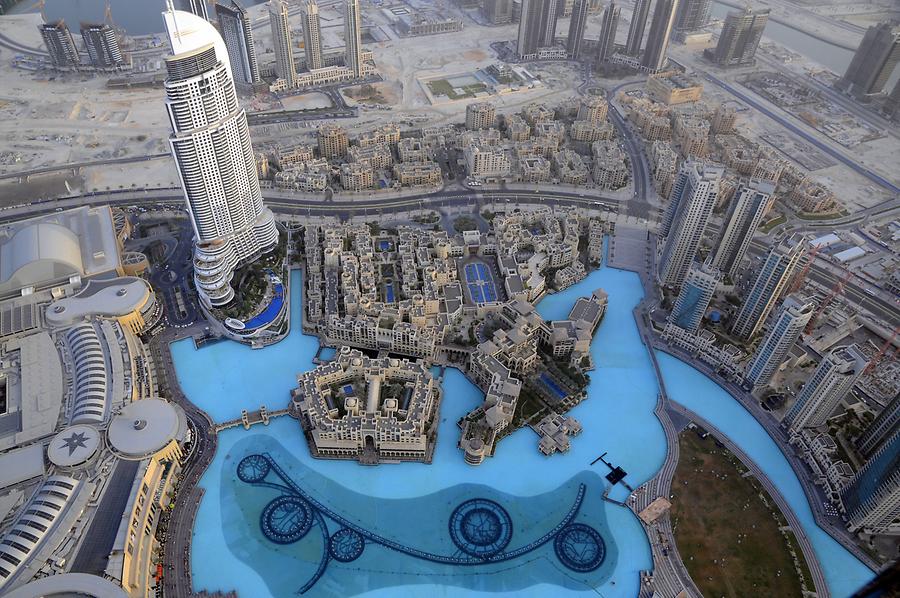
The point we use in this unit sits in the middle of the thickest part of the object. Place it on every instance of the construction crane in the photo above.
(107, 15)
(876, 359)
(40, 6)
(801, 276)
(837, 289)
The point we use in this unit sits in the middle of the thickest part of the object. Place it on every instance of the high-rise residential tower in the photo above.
(826, 388)
(353, 37)
(692, 15)
(774, 276)
(740, 37)
(607, 42)
(102, 45)
(576, 28)
(744, 215)
(789, 324)
(60, 44)
(655, 56)
(636, 30)
(871, 499)
(874, 61)
(281, 39)
(210, 142)
(498, 12)
(884, 426)
(693, 300)
(234, 25)
(312, 35)
(549, 19)
(690, 206)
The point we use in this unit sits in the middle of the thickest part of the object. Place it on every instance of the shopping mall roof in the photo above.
(108, 298)
(145, 427)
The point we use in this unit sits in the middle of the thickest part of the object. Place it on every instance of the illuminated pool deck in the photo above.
(394, 530)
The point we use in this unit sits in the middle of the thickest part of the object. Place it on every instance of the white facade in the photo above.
(210, 142)
(827, 387)
(792, 319)
(281, 39)
(690, 207)
(312, 35)
(747, 209)
(353, 38)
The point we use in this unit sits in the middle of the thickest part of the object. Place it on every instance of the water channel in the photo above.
(231, 548)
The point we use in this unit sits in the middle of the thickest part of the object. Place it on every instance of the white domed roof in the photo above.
(73, 446)
(145, 427)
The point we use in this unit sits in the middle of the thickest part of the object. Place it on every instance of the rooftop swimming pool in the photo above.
(274, 521)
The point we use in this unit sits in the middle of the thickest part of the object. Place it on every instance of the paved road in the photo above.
(76, 165)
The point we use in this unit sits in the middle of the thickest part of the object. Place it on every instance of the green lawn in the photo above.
(727, 527)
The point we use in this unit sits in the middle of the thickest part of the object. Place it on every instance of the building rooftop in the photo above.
(106, 298)
(145, 427)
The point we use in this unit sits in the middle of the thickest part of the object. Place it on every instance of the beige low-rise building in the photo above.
(610, 167)
(570, 168)
(813, 197)
(593, 109)
(534, 169)
(376, 156)
(418, 174)
(588, 132)
(357, 176)
(413, 150)
(333, 142)
(480, 115)
(672, 87)
(487, 162)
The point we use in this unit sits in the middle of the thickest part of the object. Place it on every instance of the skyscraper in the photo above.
(773, 278)
(235, 27)
(744, 215)
(606, 43)
(60, 44)
(690, 206)
(660, 31)
(549, 20)
(874, 61)
(692, 15)
(281, 39)
(353, 37)
(576, 28)
(312, 35)
(638, 23)
(826, 388)
(696, 292)
(871, 499)
(102, 45)
(210, 142)
(533, 25)
(740, 37)
(498, 12)
(198, 7)
(792, 319)
(884, 426)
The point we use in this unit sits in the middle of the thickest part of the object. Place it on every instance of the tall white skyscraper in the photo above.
(792, 319)
(312, 35)
(690, 206)
(696, 292)
(238, 35)
(826, 388)
(281, 39)
(353, 37)
(773, 278)
(744, 215)
(210, 142)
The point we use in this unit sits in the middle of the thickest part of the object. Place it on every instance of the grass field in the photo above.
(442, 87)
(727, 527)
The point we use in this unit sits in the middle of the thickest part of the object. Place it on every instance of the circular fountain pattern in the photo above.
(480, 527)
(252, 469)
(286, 519)
(346, 545)
(580, 547)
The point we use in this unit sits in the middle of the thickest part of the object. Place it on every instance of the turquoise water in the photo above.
(844, 573)
(228, 550)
